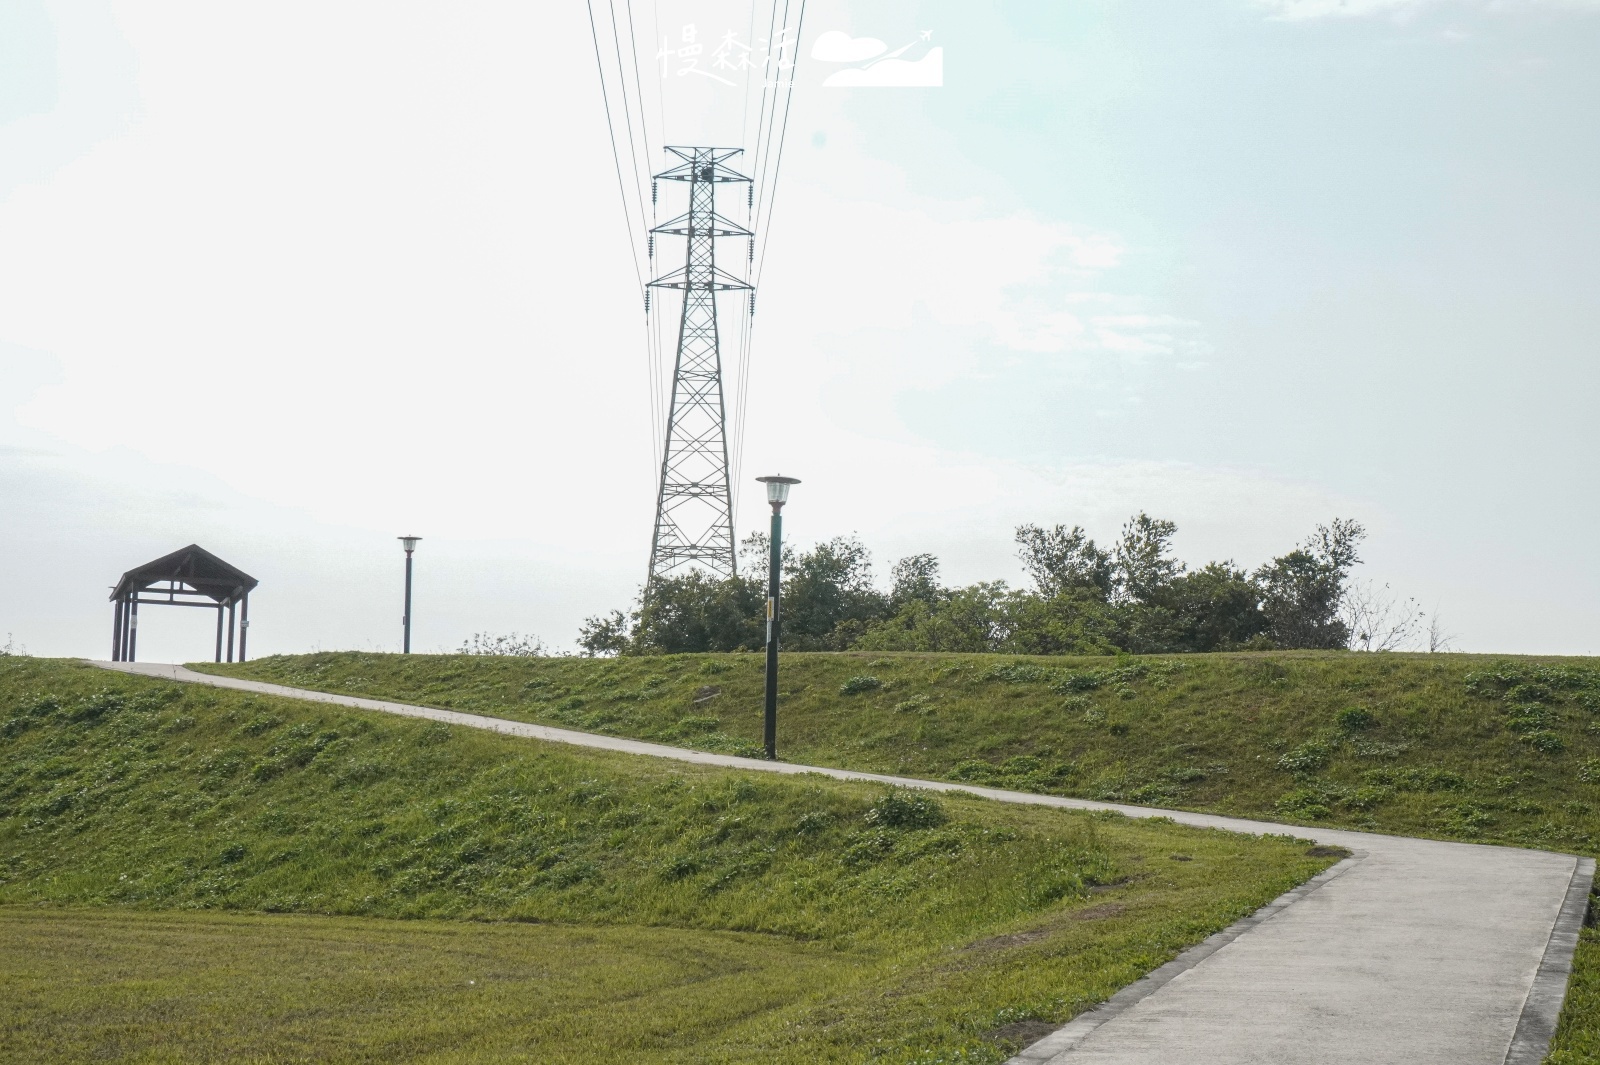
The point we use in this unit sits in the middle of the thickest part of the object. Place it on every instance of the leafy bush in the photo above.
(1306, 758)
(1081, 681)
(1544, 741)
(1309, 803)
(1415, 779)
(1020, 673)
(858, 684)
(903, 809)
(1356, 719)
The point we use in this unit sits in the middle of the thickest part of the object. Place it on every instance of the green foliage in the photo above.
(1063, 561)
(1085, 601)
(860, 683)
(1306, 758)
(1143, 566)
(695, 612)
(1301, 592)
(1356, 719)
(903, 809)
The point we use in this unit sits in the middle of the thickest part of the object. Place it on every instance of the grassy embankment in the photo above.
(568, 905)
(1491, 749)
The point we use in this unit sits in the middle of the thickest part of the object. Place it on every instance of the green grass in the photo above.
(1486, 748)
(1396, 743)
(140, 820)
(85, 985)
(1577, 1039)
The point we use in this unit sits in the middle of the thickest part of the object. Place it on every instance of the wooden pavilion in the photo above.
(191, 576)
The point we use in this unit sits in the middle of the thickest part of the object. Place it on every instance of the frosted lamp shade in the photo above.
(778, 488)
(409, 543)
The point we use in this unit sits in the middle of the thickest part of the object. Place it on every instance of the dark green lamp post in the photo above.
(410, 544)
(777, 495)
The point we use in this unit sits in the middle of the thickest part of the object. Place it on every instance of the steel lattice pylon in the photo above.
(694, 506)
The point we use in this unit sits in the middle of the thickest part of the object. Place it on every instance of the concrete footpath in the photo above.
(1412, 952)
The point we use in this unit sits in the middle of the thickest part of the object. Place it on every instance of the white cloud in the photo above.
(837, 47)
(924, 73)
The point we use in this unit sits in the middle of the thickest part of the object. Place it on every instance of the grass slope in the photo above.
(1452, 746)
(1484, 748)
(868, 924)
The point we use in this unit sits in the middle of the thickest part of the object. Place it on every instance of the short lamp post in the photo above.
(410, 544)
(777, 495)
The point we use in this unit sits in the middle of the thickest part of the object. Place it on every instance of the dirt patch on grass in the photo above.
(1034, 935)
(1015, 939)
(1320, 851)
(1020, 1033)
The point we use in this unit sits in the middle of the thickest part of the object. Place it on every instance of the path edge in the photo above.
(1058, 1044)
(1541, 1011)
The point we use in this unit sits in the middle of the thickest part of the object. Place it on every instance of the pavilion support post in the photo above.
(133, 630)
(219, 632)
(244, 623)
(116, 632)
(230, 632)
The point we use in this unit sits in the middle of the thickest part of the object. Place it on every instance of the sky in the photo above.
(291, 280)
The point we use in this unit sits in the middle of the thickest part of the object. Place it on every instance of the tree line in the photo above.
(1132, 596)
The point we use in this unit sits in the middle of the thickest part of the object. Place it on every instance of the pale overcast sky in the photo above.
(289, 280)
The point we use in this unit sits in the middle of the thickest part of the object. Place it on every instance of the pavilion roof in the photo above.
(194, 566)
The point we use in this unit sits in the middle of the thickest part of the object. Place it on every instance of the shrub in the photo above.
(1365, 798)
(1083, 681)
(1306, 758)
(1309, 803)
(1356, 719)
(689, 726)
(858, 684)
(815, 821)
(1411, 779)
(1544, 741)
(977, 772)
(1020, 673)
(901, 809)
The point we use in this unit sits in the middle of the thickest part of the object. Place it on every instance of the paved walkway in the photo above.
(1413, 952)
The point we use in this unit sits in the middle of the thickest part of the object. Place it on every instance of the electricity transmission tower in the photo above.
(694, 506)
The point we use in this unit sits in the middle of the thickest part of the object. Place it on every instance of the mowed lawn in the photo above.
(114, 985)
(191, 874)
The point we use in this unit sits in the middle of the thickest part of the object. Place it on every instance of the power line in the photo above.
(764, 227)
(616, 154)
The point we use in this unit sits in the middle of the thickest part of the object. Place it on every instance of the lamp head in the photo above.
(409, 543)
(778, 489)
